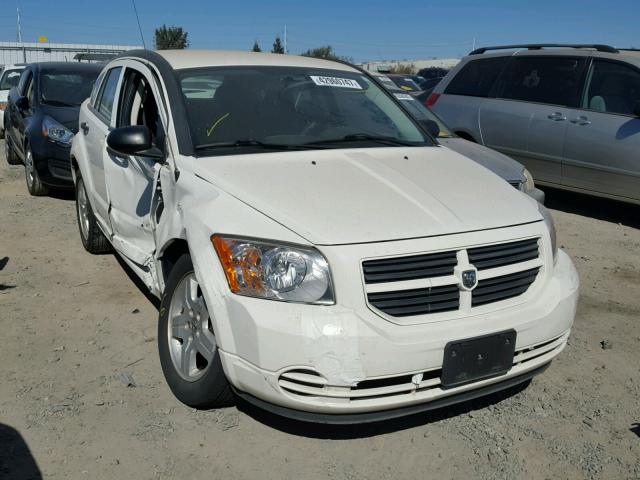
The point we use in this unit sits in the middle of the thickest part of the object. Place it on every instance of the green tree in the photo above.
(171, 38)
(277, 46)
(327, 53)
(256, 47)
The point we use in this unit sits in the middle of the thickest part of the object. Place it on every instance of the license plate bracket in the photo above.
(478, 358)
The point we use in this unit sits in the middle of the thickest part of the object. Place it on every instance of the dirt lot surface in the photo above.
(72, 324)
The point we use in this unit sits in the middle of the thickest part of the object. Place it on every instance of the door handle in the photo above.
(84, 127)
(581, 120)
(557, 117)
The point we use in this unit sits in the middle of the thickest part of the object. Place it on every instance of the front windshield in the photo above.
(10, 79)
(66, 89)
(288, 107)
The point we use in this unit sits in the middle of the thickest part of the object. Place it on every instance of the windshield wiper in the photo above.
(252, 143)
(59, 103)
(355, 137)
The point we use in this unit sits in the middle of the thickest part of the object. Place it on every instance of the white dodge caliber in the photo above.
(317, 253)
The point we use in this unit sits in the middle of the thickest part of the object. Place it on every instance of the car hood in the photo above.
(67, 116)
(498, 163)
(346, 196)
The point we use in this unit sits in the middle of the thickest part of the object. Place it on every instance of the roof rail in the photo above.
(539, 46)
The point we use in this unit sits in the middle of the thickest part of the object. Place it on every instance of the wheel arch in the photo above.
(169, 255)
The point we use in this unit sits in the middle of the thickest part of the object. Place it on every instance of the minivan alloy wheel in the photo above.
(192, 343)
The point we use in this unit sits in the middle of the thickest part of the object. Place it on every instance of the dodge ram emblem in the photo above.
(469, 279)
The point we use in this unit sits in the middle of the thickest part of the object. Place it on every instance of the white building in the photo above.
(418, 64)
(24, 52)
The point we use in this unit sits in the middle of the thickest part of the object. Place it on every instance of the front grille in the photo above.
(520, 260)
(504, 287)
(409, 268)
(402, 303)
(516, 184)
(493, 256)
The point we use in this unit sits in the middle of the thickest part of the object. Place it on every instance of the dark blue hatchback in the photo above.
(41, 119)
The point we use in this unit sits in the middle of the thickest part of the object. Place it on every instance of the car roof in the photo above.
(14, 66)
(67, 66)
(183, 59)
(630, 56)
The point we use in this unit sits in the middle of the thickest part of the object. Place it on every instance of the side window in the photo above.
(477, 77)
(29, 90)
(552, 80)
(138, 106)
(612, 88)
(25, 79)
(96, 89)
(108, 93)
(10, 79)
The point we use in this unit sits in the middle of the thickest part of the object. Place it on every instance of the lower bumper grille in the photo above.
(309, 383)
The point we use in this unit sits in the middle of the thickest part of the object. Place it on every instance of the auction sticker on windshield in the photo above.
(335, 82)
(404, 96)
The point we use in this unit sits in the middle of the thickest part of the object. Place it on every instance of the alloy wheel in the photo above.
(192, 343)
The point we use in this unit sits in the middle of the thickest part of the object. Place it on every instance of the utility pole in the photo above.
(19, 31)
(24, 52)
(285, 40)
(474, 44)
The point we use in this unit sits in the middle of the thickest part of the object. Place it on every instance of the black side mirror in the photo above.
(431, 127)
(22, 103)
(133, 140)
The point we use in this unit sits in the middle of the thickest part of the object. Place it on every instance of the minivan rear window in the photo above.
(477, 77)
(550, 80)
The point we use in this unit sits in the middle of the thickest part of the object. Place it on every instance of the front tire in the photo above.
(10, 154)
(187, 345)
(93, 240)
(34, 184)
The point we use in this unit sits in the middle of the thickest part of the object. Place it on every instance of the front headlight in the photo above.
(56, 131)
(528, 183)
(551, 226)
(263, 269)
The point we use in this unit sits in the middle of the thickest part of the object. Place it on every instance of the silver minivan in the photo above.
(569, 113)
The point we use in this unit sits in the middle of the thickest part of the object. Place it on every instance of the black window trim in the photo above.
(581, 80)
(589, 68)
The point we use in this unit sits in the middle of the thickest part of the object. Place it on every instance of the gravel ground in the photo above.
(76, 330)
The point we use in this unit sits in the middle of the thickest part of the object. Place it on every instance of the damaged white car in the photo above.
(316, 252)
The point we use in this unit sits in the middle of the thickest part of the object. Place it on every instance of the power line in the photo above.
(138, 20)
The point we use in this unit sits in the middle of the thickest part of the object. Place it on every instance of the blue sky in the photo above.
(363, 30)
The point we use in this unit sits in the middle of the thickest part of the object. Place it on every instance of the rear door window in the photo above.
(612, 88)
(477, 77)
(108, 94)
(549, 80)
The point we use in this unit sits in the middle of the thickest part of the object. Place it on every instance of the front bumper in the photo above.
(367, 365)
(53, 163)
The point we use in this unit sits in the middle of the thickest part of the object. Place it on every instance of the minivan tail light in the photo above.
(431, 101)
